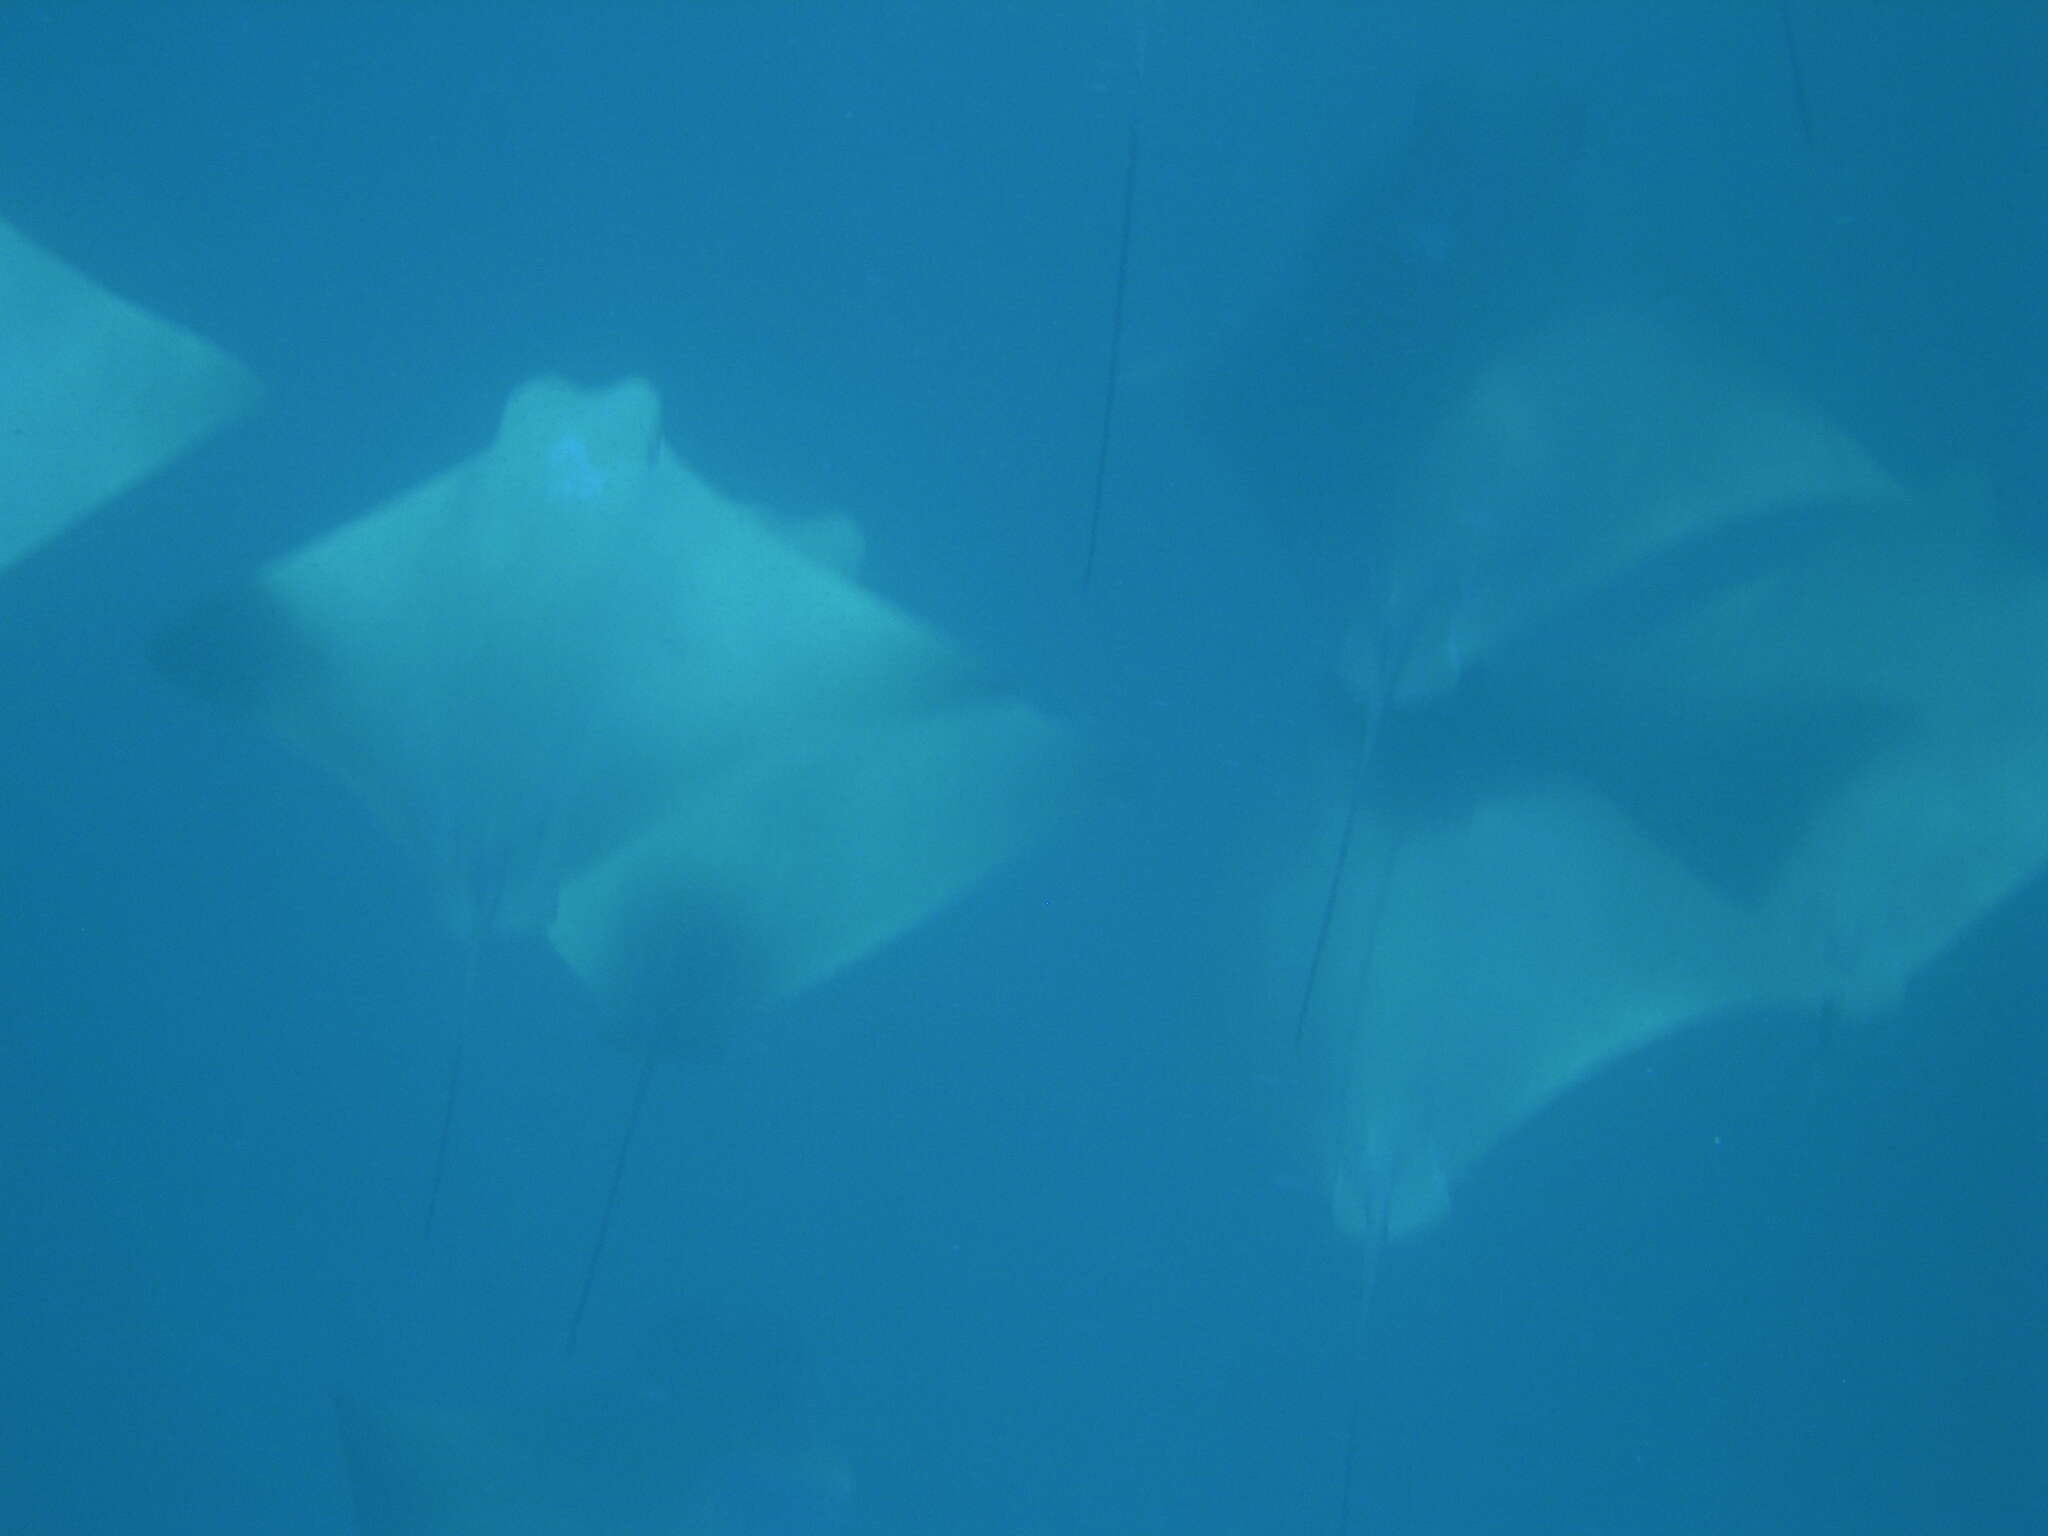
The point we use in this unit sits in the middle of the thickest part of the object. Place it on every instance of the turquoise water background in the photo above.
(1018, 1215)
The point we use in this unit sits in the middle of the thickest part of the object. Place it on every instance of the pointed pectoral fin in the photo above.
(782, 870)
(1522, 949)
(771, 639)
(329, 649)
(1877, 748)
(95, 394)
(1951, 818)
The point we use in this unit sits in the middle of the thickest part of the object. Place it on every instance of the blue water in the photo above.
(1019, 1214)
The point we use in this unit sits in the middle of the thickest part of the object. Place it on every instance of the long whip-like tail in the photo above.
(465, 1009)
(611, 1197)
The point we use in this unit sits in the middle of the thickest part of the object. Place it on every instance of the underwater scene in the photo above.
(795, 769)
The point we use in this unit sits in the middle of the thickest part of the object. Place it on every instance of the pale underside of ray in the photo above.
(1850, 684)
(608, 707)
(96, 394)
(1515, 951)
(572, 675)
(1930, 622)
(1577, 460)
(1608, 802)
(756, 883)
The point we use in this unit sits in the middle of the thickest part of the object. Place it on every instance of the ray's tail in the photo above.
(1797, 69)
(1116, 346)
(465, 1009)
(611, 1199)
(1369, 1284)
(1360, 765)
(1116, 312)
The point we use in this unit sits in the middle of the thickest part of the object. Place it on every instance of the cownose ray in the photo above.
(1407, 287)
(1921, 730)
(1673, 711)
(96, 394)
(1787, 760)
(1646, 728)
(1790, 670)
(609, 708)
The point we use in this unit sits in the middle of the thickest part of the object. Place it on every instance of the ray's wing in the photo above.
(519, 661)
(1648, 662)
(1516, 951)
(450, 656)
(763, 880)
(1929, 620)
(570, 662)
(95, 394)
(1798, 676)
(1600, 478)
(604, 703)
(834, 771)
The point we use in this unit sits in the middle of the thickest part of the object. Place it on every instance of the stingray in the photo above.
(1736, 728)
(615, 711)
(1700, 711)
(96, 394)
(1514, 905)
(1593, 482)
